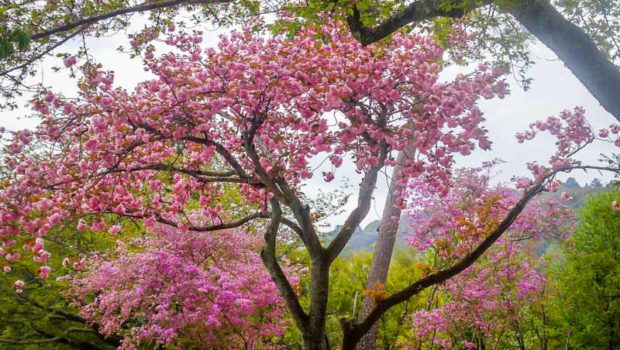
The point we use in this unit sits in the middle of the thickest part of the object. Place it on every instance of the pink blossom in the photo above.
(329, 176)
(176, 291)
(44, 271)
(554, 186)
(565, 196)
(68, 108)
(114, 229)
(70, 61)
(82, 226)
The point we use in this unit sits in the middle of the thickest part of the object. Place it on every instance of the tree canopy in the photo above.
(249, 116)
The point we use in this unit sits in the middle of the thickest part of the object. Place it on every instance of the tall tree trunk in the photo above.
(384, 247)
(575, 48)
(314, 335)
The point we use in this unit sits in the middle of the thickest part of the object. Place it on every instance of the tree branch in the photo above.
(57, 338)
(268, 255)
(200, 175)
(222, 151)
(147, 6)
(417, 11)
(285, 193)
(39, 55)
(223, 226)
(366, 190)
(63, 314)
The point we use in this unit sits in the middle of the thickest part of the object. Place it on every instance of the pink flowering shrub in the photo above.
(183, 289)
(482, 302)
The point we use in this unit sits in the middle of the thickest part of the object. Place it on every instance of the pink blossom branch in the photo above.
(354, 331)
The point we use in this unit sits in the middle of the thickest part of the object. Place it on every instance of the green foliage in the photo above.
(12, 41)
(347, 290)
(41, 317)
(598, 18)
(588, 279)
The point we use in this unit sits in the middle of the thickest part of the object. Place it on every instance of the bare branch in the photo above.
(147, 6)
(60, 313)
(48, 340)
(223, 226)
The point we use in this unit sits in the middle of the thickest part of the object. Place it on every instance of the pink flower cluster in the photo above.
(482, 301)
(572, 133)
(183, 289)
(455, 223)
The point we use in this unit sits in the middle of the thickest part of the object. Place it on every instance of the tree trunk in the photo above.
(314, 335)
(575, 48)
(384, 248)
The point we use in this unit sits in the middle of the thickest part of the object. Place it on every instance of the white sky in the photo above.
(554, 89)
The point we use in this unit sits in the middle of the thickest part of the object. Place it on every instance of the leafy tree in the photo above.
(588, 278)
(596, 183)
(572, 183)
(251, 115)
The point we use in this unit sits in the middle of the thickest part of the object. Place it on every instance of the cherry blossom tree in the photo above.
(250, 116)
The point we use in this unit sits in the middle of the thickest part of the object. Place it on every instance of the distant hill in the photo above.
(365, 239)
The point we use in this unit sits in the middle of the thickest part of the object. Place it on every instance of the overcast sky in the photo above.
(554, 89)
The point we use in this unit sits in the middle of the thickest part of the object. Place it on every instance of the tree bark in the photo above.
(575, 48)
(382, 254)
(314, 334)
